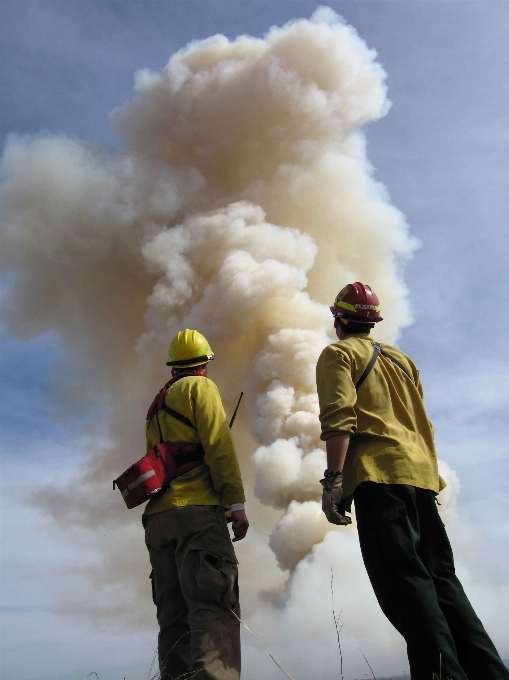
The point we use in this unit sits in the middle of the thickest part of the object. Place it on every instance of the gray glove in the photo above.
(332, 498)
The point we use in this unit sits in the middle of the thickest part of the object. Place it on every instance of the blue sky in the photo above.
(442, 152)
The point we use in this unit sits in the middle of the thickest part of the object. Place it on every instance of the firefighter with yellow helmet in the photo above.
(194, 577)
(381, 453)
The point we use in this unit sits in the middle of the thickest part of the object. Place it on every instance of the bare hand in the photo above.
(240, 524)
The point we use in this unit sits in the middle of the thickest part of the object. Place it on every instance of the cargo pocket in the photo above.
(216, 579)
(388, 534)
(371, 519)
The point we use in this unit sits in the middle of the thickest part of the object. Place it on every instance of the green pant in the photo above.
(195, 585)
(410, 564)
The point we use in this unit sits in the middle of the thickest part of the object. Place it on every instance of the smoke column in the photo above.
(240, 203)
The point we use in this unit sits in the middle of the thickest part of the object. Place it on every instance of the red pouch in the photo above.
(158, 467)
(163, 462)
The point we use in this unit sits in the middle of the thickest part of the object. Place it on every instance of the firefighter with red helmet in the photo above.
(194, 567)
(381, 454)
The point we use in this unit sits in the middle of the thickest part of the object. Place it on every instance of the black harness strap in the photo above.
(178, 416)
(367, 370)
(395, 361)
(174, 414)
(184, 457)
(159, 428)
(376, 351)
(167, 409)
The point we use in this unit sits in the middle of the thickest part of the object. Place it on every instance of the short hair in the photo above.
(353, 327)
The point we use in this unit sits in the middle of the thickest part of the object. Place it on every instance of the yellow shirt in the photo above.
(391, 435)
(218, 480)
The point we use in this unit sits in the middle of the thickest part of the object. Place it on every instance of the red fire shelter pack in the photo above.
(162, 463)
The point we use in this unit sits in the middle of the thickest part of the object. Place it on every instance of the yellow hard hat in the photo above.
(189, 348)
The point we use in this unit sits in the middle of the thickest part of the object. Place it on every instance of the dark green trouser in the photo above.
(410, 564)
(195, 587)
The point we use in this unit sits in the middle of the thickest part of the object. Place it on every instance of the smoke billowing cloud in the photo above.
(240, 202)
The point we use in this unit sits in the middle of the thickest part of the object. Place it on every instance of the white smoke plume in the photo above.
(240, 203)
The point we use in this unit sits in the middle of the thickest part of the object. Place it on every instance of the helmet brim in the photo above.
(340, 314)
(190, 363)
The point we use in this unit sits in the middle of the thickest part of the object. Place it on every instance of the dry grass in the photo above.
(336, 621)
(265, 648)
(360, 650)
(339, 629)
(190, 674)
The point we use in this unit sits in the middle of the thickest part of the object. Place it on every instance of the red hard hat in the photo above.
(357, 302)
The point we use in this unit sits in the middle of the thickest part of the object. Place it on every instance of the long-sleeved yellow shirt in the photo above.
(218, 480)
(391, 435)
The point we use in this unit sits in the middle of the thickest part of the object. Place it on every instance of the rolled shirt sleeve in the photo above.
(336, 393)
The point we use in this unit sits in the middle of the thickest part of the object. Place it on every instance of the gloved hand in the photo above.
(332, 498)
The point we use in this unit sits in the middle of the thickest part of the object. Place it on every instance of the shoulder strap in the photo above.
(395, 361)
(367, 370)
(159, 426)
(174, 414)
(159, 404)
(376, 351)
(177, 415)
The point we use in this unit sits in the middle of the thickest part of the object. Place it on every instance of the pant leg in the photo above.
(174, 639)
(476, 652)
(389, 535)
(208, 575)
